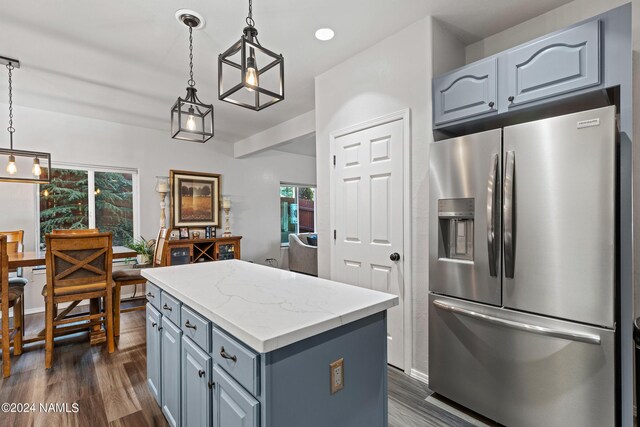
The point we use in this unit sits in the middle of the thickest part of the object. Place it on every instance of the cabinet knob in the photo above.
(226, 355)
(511, 98)
(153, 324)
(201, 373)
(150, 295)
(211, 384)
(166, 307)
(159, 328)
(491, 104)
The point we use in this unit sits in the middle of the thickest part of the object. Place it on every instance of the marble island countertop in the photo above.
(265, 307)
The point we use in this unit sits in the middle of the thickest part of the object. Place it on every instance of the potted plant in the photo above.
(144, 248)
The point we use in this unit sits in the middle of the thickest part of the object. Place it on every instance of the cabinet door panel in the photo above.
(153, 352)
(467, 92)
(561, 63)
(170, 362)
(196, 377)
(234, 407)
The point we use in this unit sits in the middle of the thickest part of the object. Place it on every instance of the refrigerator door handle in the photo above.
(491, 217)
(535, 329)
(509, 229)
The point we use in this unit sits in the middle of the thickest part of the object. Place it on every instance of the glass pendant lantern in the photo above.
(21, 165)
(191, 119)
(256, 73)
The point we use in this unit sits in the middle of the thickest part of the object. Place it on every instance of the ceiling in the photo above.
(126, 61)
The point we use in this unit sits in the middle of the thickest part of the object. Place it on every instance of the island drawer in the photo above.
(197, 328)
(237, 360)
(170, 308)
(153, 295)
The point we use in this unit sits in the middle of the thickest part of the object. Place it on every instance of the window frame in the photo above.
(297, 197)
(91, 200)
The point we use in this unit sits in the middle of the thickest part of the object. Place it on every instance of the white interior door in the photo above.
(368, 219)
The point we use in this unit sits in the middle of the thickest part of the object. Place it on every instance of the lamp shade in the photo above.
(162, 184)
(191, 119)
(249, 75)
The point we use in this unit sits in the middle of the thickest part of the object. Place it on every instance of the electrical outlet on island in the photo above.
(336, 370)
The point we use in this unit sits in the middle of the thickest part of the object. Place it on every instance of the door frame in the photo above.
(407, 271)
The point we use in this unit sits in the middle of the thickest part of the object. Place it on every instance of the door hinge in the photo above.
(334, 160)
(334, 234)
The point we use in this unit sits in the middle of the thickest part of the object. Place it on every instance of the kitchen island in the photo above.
(235, 343)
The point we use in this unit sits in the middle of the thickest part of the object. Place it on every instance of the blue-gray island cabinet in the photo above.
(237, 344)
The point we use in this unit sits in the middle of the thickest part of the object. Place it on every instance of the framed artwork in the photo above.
(195, 199)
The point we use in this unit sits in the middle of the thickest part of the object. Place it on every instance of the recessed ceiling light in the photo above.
(324, 34)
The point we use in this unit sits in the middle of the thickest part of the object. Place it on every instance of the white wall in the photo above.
(390, 76)
(252, 183)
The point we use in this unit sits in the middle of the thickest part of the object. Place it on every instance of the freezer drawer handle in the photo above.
(509, 231)
(492, 199)
(535, 329)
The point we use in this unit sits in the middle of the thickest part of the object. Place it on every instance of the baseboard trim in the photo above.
(420, 376)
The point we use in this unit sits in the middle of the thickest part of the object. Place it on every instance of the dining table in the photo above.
(37, 258)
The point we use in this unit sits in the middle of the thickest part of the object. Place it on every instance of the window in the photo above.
(85, 197)
(297, 210)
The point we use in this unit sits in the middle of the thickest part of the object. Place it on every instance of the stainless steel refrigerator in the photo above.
(522, 271)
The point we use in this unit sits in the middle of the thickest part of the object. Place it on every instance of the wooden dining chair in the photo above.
(78, 268)
(10, 296)
(15, 245)
(132, 277)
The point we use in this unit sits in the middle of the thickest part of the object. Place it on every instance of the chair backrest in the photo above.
(15, 245)
(4, 269)
(78, 262)
(14, 240)
(75, 232)
(160, 252)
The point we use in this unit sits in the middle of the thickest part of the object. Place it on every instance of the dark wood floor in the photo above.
(111, 390)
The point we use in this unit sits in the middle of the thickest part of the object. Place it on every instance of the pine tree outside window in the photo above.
(81, 197)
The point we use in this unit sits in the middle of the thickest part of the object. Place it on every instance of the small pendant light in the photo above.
(191, 119)
(21, 165)
(252, 91)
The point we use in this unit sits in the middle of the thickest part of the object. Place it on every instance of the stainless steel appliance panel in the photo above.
(520, 369)
(465, 171)
(559, 217)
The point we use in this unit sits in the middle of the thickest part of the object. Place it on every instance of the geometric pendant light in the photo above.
(191, 119)
(256, 73)
(21, 165)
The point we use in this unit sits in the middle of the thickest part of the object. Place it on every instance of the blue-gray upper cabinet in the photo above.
(170, 362)
(153, 352)
(466, 92)
(233, 406)
(561, 63)
(196, 385)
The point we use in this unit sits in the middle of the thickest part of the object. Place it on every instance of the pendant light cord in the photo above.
(11, 129)
(191, 82)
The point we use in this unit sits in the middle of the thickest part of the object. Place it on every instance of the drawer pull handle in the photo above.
(159, 328)
(153, 324)
(226, 355)
(187, 324)
(166, 307)
(201, 373)
(150, 295)
(211, 384)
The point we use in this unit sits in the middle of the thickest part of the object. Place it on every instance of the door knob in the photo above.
(394, 256)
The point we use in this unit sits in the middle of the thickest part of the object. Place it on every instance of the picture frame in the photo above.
(184, 232)
(195, 199)
(197, 233)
